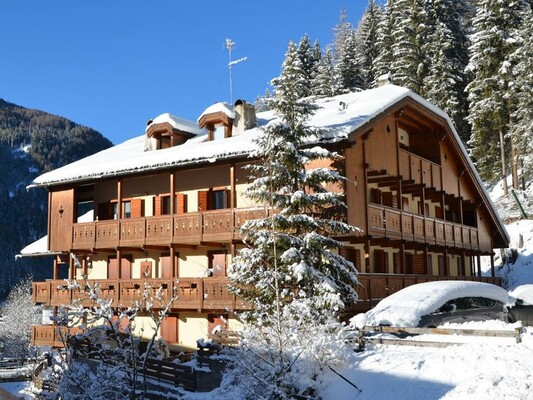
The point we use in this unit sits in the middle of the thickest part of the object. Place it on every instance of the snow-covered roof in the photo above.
(129, 157)
(35, 249)
(177, 123)
(407, 306)
(337, 116)
(222, 107)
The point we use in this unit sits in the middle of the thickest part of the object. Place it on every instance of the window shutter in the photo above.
(136, 208)
(125, 267)
(169, 329)
(397, 264)
(203, 201)
(158, 205)
(181, 200)
(112, 268)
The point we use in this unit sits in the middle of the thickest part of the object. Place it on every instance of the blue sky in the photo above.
(112, 65)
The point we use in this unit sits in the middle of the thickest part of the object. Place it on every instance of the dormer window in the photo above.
(167, 131)
(218, 120)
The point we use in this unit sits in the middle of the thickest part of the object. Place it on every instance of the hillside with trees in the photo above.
(32, 142)
(470, 58)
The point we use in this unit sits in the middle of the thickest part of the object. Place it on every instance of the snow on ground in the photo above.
(19, 389)
(471, 371)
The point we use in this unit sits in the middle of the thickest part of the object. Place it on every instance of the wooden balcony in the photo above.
(419, 170)
(49, 335)
(375, 287)
(192, 293)
(396, 224)
(192, 228)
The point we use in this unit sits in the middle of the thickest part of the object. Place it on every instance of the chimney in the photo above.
(244, 117)
(383, 80)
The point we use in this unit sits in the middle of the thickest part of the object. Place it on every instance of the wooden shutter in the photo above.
(430, 265)
(125, 267)
(351, 254)
(181, 200)
(419, 267)
(438, 212)
(203, 200)
(389, 199)
(169, 329)
(112, 268)
(381, 262)
(408, 263)
(136, 208)
(217, 263)
(158, 205)
(397, 265)
(442, 266)
(375, 195)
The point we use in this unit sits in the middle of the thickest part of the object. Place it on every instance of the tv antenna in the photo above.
(231, 63)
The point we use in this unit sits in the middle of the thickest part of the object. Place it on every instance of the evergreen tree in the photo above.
(324, 85)
(367, 43)
(307, 63)
(494, 40)
(383, 62)
(291, 260)
(348, 75)
(291, 85)
(519, 96)
(408, 29)
(445, 51)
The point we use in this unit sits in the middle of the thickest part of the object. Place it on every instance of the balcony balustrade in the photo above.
(393, 223)
(190, 228)
(191, 293)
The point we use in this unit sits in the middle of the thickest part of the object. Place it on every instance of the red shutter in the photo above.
(158, 205)
(166, 265)
(203, 200)
(217, 263)
(418, 264)
(136, 208)
(112, 268)
(169, 329)
(125, 267)
(181, 200)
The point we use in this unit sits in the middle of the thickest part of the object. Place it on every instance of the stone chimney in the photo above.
(244, 117)
(383, 80)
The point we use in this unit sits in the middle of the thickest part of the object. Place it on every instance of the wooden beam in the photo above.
(184, 246)
(374, 173)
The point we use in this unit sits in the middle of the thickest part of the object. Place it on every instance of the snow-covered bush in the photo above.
(18, 315)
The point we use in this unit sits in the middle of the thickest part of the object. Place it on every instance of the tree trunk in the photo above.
(504, 171)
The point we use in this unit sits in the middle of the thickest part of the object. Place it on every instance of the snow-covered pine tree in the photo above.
(408, 29)
(493, 41)
(317, 58)
(348, 74)
(367, 43)
(291, 257)
(323, 85)
(384, 41)
(307, 63)
(292, 76)
(290, 271)
(519, 97)
(446, 51)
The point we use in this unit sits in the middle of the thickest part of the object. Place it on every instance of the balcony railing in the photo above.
(393, 223)
(192, 293)
(190, 228)
(375, 287)
(420, 170)
(50, 335)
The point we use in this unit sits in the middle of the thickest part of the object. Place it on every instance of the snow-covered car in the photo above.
(431, 304)
(523, 308)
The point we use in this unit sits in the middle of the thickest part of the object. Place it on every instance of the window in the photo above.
(219, 132)
(219, 199)
(127, 209)
(164, 142)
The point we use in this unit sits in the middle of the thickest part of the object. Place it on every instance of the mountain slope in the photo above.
(32, 142)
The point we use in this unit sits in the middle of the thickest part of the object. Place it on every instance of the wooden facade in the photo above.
(410, 188)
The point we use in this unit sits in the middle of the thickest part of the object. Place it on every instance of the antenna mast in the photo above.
(229, 46)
